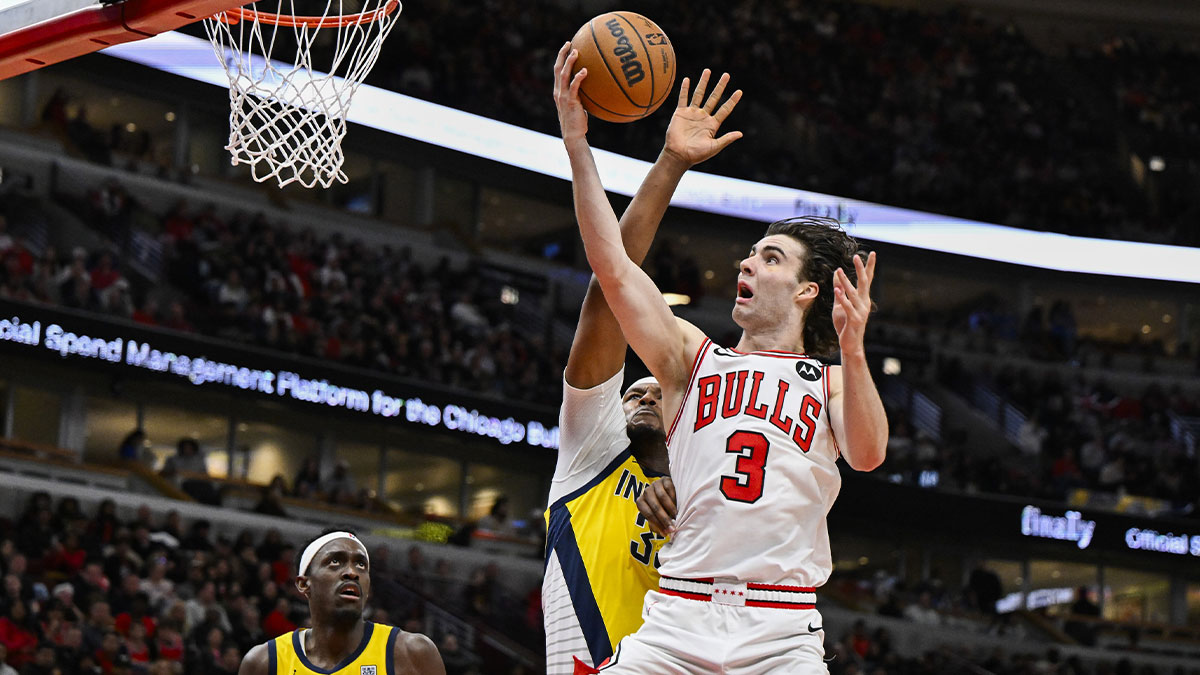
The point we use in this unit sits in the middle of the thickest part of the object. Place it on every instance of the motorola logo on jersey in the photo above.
(808, 371)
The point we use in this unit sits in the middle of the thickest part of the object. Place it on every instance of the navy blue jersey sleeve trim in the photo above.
(390, 661)
(272, 659)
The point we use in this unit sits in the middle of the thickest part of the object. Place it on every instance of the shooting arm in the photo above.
(643, 315)
(598, 350)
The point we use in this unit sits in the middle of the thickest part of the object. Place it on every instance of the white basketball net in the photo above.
(288, 116)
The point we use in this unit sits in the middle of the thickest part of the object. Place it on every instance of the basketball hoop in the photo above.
(288, 116)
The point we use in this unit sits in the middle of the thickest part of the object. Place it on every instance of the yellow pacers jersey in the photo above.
(606, 557)
(372, 657)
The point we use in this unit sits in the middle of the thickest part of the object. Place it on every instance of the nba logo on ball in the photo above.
(367, 670)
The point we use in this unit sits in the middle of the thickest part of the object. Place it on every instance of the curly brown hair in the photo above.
(827, 248)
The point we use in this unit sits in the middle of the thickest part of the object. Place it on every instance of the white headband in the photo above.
(319, 542)
(644, 380)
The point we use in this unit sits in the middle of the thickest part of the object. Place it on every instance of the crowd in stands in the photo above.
(939, 110)
(1077, 428)
(332, 298)
(338, 299)
(95, 594)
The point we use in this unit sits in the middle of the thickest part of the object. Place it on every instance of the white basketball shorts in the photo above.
(693, 637)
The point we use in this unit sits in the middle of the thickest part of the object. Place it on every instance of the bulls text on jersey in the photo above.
(749, 392)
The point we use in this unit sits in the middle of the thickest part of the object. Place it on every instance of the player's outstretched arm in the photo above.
(659, 339)
(415, 654)
(256, 661)
(598, 350)
(859, 421)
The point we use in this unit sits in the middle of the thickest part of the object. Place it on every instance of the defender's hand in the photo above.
(572, 118)
(852, 305)
(657, 504)
(692, 134)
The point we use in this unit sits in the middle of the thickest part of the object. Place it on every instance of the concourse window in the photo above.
(454, 201)
(1012, 583)
(525, 493)
(267, 450)
(355, 474)
(867, 568)
(36, 414)
(1053, 584)
(423, 484)
(1132, 596)
(109, 422)
(4, 391)
(166, 426)
(1193, 603)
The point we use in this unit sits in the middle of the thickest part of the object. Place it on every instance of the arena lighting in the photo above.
(674, 299)
(457, 130)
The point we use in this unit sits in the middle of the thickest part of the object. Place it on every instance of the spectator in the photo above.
(1084, 629)
(5, 669)
(138, 614)
(45, 661)
(496, 521)
(159, 590)
(270, 500)
(458, 661)
(188, 459)
(308, 479)
(922, 611)
(18, 634)
(340, 487)
(132, 446)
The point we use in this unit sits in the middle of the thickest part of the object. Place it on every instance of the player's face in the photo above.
(643, 407)
(769, 289)
(338, 579)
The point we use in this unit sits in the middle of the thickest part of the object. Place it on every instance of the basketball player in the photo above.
(601, 557)
(755, 435)
(334, 574)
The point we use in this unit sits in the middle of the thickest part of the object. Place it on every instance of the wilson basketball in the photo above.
(630, 63)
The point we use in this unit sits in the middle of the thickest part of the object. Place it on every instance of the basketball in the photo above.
(631, 66)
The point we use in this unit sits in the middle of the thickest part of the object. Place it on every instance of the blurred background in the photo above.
(199, 372)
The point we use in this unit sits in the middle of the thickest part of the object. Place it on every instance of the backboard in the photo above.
(37, 33)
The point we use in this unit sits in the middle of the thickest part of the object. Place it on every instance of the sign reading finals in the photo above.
(128, 352)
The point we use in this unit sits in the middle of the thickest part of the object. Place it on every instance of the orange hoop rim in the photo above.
(237, 14)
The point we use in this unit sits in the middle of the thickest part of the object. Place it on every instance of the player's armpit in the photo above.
(257, 661)
(415, 654)
(657, 504)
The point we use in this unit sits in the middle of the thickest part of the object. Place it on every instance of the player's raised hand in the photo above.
(692, 134)
(657, 504)
(852, 304)
(572, 118)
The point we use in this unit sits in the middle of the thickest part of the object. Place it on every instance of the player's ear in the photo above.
(302, 585)
(808, 291)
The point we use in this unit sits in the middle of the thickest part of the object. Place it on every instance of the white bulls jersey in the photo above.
(754, 463)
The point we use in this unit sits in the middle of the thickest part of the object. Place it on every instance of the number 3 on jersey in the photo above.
(747, 483)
